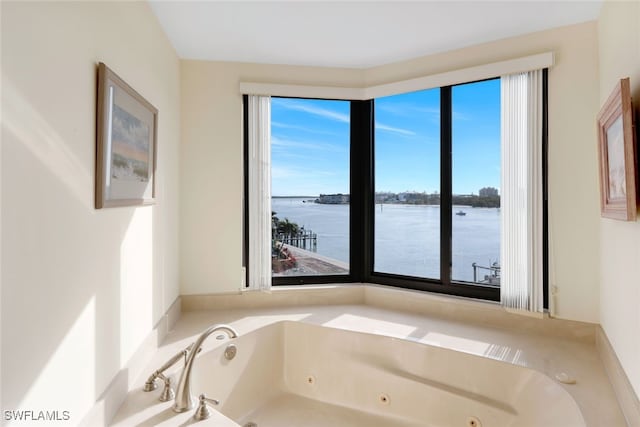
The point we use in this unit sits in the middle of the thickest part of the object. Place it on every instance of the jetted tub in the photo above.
(293, 374)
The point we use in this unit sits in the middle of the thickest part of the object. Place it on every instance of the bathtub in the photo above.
(293, 374)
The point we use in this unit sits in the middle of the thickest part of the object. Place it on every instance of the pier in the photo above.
(304, 239)
(491, 279)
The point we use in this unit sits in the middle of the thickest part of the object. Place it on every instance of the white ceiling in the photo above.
(354, 34)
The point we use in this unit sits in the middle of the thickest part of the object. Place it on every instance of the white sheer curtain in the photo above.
(259, 176)
(522, 253)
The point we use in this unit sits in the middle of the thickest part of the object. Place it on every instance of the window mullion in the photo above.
(361, 218)
(445, 184)
(545, 185)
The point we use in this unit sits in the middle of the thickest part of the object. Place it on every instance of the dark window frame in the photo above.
(298, 280)
(362, 206)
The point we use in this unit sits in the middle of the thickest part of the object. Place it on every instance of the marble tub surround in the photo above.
(478, 312)
(145, 410)
(299, 374)
(573, 354)
(628, 400)
(280, 296)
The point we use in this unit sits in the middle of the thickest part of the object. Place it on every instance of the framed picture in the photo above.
(618, 156)
(126, 144)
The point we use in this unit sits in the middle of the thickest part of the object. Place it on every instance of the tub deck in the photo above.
(551, 352)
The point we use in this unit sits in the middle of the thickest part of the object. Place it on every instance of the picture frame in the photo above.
(126, 144)
(618, 155)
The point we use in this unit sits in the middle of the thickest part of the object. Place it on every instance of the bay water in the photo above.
(407, 237)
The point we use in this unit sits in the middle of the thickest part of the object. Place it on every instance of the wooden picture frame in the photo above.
(618, 156)
(126, 144)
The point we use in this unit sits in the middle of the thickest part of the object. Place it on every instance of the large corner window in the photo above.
(310, 185)
(436, 190)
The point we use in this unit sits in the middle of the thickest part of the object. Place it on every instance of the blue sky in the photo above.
(310, 142)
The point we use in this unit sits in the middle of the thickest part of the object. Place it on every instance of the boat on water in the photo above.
(461, 213)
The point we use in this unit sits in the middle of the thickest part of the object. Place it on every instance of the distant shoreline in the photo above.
(415, 199)
(294, 197)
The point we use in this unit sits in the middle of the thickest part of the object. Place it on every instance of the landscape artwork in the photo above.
(129, 147)
(618, 155)
(126, 144)
(615, 157)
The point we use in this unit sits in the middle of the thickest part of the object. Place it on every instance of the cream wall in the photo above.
(81, 288)
(619, 49)
(212, 154)
(211, 183)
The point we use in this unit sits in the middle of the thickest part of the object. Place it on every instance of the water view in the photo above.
(311, 149)
(407, 237)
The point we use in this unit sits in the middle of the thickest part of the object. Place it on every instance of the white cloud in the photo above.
(288, 126)
(405, 109)
(333, 115)
(392, 129)
(277, 142)
(280, 125)
(312, 109)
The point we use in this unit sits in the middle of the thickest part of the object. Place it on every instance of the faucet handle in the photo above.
(203, 412)
(167, 391)
(150, 384)
(186, 351)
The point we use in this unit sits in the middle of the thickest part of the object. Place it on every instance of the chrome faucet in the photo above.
(184, 401)
(151, 385)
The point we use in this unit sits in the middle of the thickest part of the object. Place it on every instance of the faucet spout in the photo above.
(184, 401)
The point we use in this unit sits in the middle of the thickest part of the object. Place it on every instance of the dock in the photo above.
(304, 239)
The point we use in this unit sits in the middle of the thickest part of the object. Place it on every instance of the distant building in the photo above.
(386, 197)
(488, 192)
(333, 199)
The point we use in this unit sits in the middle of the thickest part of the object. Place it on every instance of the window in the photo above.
(403, 190)
(437, 180)
(475, 145)
(409, 181)
(407, 184)
(310, 185)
